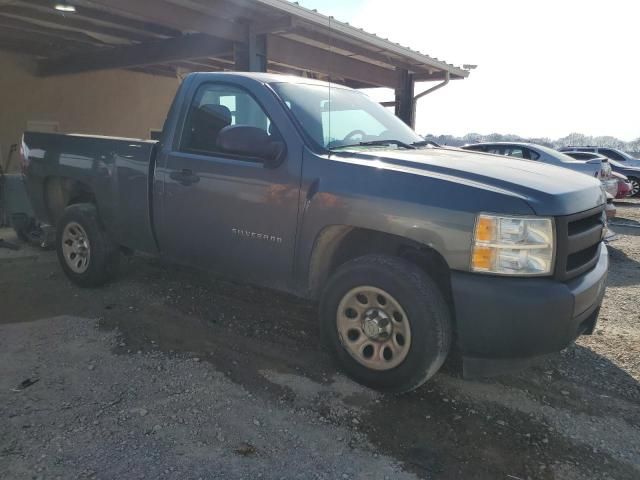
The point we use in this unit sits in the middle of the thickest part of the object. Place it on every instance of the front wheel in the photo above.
(87, 255)
(386, 322)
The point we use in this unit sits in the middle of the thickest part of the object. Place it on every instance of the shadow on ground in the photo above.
(624, 270)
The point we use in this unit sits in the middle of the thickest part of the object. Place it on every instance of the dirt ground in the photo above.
(171, 373)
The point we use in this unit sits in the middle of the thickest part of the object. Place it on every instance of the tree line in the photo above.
(574, 139)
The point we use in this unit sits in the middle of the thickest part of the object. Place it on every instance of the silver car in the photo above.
(611, 153)
(598, 168)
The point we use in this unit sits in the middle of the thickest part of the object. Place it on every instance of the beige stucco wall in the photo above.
(112, 102)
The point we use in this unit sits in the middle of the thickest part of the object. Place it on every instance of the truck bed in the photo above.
(119, 172)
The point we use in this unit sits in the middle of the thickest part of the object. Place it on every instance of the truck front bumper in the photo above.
(503, 323)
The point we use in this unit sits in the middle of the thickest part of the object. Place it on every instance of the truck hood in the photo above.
(549, 190)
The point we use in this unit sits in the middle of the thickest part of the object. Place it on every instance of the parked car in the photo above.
(624, 186)
(631, 173)
(626, 169)
(405, 246)
(598, 168)
(610, 153)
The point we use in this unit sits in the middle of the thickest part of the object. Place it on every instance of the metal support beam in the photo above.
(148, 53)
(404, 103)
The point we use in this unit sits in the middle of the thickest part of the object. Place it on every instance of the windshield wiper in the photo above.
(426, 143)
(375, 143)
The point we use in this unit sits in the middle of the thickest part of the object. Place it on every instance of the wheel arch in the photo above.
(61, 192)
(337, 244)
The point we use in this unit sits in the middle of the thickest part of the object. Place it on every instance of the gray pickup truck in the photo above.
(412, 251)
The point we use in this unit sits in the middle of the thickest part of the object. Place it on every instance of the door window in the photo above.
(214, 107)
(496, 150)
(517, 152)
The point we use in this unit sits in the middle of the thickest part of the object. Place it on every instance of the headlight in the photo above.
(513, 245)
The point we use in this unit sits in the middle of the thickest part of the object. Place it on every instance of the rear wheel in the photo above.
(87, 255)
(635, 186)
(386, 322)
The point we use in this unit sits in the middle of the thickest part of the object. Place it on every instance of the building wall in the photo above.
(112, 102)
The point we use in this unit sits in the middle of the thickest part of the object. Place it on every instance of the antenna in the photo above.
(331, 40)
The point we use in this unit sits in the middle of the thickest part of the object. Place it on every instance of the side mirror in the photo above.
(252, 142)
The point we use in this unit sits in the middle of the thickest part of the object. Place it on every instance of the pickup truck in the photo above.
(412, 251)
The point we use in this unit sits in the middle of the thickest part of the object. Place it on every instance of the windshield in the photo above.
(337, 117)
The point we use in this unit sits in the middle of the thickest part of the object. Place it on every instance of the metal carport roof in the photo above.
(169, 37)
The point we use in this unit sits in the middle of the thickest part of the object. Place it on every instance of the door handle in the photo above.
(184, 177)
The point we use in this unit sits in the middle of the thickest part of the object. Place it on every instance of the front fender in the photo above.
(439, 214)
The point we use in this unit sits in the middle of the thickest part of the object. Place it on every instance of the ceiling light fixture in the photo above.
(63, 6)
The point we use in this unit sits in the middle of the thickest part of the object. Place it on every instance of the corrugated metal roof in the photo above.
(342, 28)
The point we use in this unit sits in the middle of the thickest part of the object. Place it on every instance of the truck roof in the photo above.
(268, 78)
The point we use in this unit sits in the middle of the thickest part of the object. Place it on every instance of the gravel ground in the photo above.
(170, 373)
(151, 416)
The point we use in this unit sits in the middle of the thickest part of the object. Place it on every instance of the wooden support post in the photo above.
(405, 106)
(252, 55)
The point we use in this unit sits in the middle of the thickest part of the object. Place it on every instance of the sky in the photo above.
(545, 69)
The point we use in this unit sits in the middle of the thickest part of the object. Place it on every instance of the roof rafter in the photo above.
(144, 54)
(288, 52)
(174, 16)
(72, 23)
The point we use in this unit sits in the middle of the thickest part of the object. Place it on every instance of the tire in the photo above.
(409, 294)
(635, 186)
(87, 255)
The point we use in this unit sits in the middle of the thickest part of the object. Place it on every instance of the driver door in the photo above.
(222, 211)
